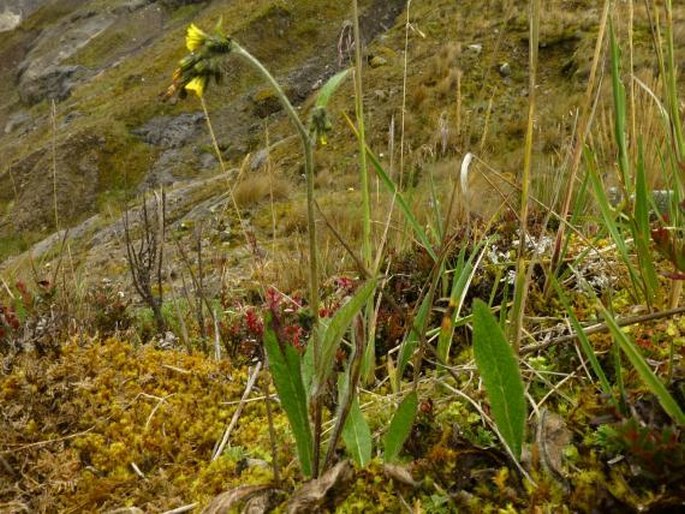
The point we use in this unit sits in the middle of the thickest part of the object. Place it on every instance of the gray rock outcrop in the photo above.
(43, 73)
(15, 11)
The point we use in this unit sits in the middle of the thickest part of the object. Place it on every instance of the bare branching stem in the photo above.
(146, 257)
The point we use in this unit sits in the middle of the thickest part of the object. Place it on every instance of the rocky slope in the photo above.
(81, 115)
(83, 129)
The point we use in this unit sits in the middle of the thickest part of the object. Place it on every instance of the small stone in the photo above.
(380, 95)
(259, 159)
(377, 61)
(17, 120)
(208, 161)
(476, 48)
(9, 20)
(226, 236)
(504, 69)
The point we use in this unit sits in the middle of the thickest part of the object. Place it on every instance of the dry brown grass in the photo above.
(446, 60)
(418, 96)
(447, 86)
(257, 188)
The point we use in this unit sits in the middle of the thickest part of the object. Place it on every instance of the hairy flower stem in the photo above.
(311, 228)
(368, 355)
(363, 168)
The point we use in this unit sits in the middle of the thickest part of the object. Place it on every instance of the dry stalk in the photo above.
(239, 410)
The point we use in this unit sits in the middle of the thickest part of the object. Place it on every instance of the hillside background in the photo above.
(84, 132)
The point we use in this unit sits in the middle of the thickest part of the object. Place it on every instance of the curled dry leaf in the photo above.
(400, 474)
(257, 499)
(552, 437)
(312, 495)
(262, 502)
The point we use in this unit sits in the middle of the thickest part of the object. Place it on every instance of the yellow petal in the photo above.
(195, 37)
(197, 85)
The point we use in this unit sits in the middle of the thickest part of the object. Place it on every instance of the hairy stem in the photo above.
(311, 226)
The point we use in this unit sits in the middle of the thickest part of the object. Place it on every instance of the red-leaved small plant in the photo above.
(9, 324)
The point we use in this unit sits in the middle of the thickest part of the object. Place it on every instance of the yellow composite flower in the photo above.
(202, 63)
(197, 85)
(321, 125)
(195, 37)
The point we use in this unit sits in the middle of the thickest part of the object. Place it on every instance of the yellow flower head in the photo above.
(202, 63)
(320, 125)
(197, 85)
(195, 37)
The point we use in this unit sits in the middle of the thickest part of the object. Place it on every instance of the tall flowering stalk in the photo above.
(203, 63)
(194, 73)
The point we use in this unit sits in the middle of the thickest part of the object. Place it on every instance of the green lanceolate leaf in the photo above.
(357, 435)
(501, 376)
(335, 330)
(330, 87)
(400, 427)
(285, 366)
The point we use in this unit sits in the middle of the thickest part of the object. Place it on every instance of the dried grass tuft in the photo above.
(255, 189)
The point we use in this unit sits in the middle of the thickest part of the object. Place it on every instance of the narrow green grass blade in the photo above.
(619, 93)
(641, 211)
(403, 205)
(411, 340)
(578, 212)
(438, 229)
(463, 275)
(585, 342)
(400, 427)
(357, 435)
(462, 270)
(615, 232)
(655, 385)
(284, 364)
(615, 355)
(401, 201)
(501, 376)
(641, 230)
(671, 71)
(335, 330)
